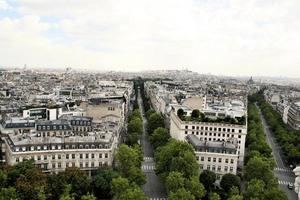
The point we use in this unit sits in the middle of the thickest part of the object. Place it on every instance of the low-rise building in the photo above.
(293, 119)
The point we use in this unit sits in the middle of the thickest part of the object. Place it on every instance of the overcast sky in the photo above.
(229, 37)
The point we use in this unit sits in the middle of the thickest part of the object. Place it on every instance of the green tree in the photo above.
(181, 194)
(260, 168)
(195, 187)
(66, 194)
(174, 181)
(176, 153)
(79, 181)
(135, 125)
(31, 184)
(132, 138)
(129, 162)
(207, 178)
(195, 114)
(155, 121)
(214, 196)
(16, 171)
(228, 181)
(180, 113)
(255, 190)
(3, 178)
(102, 182)
(159, 137)
(234, 194)
(133, 193)
(9, 193)
(275, 194)
(88, 197)
(118, 186)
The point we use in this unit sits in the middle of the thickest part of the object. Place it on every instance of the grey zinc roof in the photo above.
(214, 144)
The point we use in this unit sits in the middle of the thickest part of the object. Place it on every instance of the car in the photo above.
(290, 186)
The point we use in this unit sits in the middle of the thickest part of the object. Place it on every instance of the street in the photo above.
(281, 171)
(153, 188)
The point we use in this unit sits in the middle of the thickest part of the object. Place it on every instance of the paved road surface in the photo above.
(153, 188)
(281, 171)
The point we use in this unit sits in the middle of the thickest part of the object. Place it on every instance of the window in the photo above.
(80, 156)
(186, 127)
(45, 157)
(202, 158)
(214, 159)
(59, 156)
(226, 160)
(219, 168)
(87, 155)
(73, 156)
(213, 168)
(209, 159)
(39, 158)
(53, 165)
(59, 165)
(226, 169)
(81, 165)
(231, 169)
(231, 161)
(100, 155)
(106, 155)
(93, 155)
(201, 166)
(220, 160)
(92, 164)
(240, 131)
(193, 127)
(186, 132)
(197, 157)
(208, 167)
(67, 156)
(53, 157)
(17, 159)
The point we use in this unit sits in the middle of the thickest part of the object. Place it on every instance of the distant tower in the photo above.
(250, 82)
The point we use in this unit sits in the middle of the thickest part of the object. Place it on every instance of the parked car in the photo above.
(291, 186)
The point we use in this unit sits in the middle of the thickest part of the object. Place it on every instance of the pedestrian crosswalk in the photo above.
(282, 169)
(284, 182)
(158, 198)
(148, 159)
(148, 167)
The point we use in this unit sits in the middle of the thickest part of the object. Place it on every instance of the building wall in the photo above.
(210, 132)
(219, 163)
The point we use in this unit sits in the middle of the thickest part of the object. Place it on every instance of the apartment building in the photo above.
(54, 147)
(218, 156)
(293, 118)
(211, 132)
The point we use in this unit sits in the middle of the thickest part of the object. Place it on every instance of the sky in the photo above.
(222, 37)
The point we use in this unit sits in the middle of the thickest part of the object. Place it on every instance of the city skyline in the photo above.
(236, 38)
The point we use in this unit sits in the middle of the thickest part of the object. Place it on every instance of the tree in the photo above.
(228, 181)
(135, 125)
(234, 194)
(195, 114)
(174, 181)
(260, 168)
(255, 189)
(132, 138)
(195, 187)
(31, 184)
(66, 195)
(155, 121)
(79, 181)
(181, 194)
(123, 190)
(55, 186)
(214, 196)
(159, 137)
(118, 186)
(208, 178)
(176, 153)
(16, 171)
(180, 113)
(275, 194)
(88, 197)
(102, 182)
(9, 193)
(129, 162)
(3, 178)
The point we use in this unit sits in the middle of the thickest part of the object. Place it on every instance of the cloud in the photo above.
(218, 36)
(4, 5)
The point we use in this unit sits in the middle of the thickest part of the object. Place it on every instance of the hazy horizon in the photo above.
(219, 37)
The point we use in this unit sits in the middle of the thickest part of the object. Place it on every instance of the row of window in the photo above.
(214, 129)
(80, 123)
(217, 168)
(59, 147)
(211, 134)
(67, 156)
(72, 164)
(111, 108)
(213, 159)
(52, 127)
